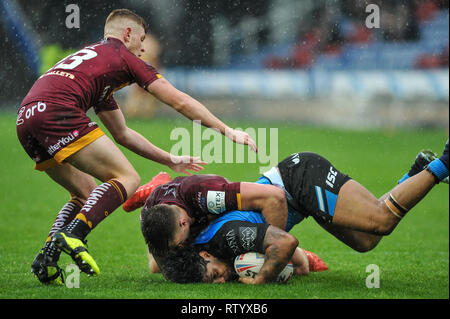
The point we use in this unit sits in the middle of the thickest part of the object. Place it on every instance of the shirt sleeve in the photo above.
(106, 105)
(238, 237)
(212, 194)
(142, 72)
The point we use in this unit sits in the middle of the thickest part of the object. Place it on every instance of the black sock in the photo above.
(78, 228)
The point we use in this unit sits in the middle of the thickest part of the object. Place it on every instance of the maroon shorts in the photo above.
(50, 132)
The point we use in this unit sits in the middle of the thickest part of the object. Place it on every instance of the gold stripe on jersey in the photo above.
(239, 204)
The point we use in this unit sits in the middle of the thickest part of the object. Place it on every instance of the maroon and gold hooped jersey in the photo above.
(52, 123)
(90, 76)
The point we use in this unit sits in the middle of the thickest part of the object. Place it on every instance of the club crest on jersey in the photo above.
(248, 237)
(216, 202)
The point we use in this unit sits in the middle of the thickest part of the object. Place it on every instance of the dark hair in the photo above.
(184, 265)
(126, 14)
(158, 224)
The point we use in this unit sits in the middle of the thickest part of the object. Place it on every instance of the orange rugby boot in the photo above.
(315, 262)
(140, 196)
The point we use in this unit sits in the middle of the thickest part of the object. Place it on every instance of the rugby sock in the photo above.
(65, 216)
(439, 167)
(103, 200)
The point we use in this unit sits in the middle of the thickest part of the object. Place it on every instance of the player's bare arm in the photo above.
(279, 248)
(269, 199)
(194, 110)
(115, 122)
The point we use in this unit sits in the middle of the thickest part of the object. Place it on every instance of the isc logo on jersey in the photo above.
(331, 177)
(216, 202)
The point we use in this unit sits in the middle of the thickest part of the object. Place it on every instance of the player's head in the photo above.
(128, 27)
(164, 227)
(188, 265)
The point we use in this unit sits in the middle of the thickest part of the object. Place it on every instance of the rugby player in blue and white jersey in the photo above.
(346, 209)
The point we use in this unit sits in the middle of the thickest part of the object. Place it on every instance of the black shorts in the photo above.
(314, 184)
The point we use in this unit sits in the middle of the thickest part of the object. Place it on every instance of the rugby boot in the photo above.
(424, 158)
(143, 192)
(316, 263)
(76, 248)
(46, 269)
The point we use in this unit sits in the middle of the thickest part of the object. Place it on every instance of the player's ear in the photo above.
(127, 34)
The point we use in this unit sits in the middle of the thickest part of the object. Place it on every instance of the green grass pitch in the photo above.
(413, 261)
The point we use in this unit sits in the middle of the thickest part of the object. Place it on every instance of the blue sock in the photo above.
(438, 169)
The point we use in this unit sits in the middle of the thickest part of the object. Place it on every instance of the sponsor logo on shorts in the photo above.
(30, 112)
(63, 141)
(216, 202)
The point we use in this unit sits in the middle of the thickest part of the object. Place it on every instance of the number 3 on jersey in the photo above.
(74, 60)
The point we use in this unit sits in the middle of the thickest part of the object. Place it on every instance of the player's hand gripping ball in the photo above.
(249, 264)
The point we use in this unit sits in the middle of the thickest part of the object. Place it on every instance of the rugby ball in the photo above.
(249, 264)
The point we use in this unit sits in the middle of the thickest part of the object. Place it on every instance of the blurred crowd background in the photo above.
(243, 57)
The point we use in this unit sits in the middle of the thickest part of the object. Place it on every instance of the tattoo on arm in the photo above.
(278, 252)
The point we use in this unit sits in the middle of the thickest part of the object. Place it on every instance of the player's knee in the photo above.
(384, 227)
(133, 181)
(384, 221)
(129, 180)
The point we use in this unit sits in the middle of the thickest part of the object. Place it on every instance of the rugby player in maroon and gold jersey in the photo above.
(56, 133)
(177, 210)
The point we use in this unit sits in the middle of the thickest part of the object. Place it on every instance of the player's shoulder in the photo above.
(108, 49)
